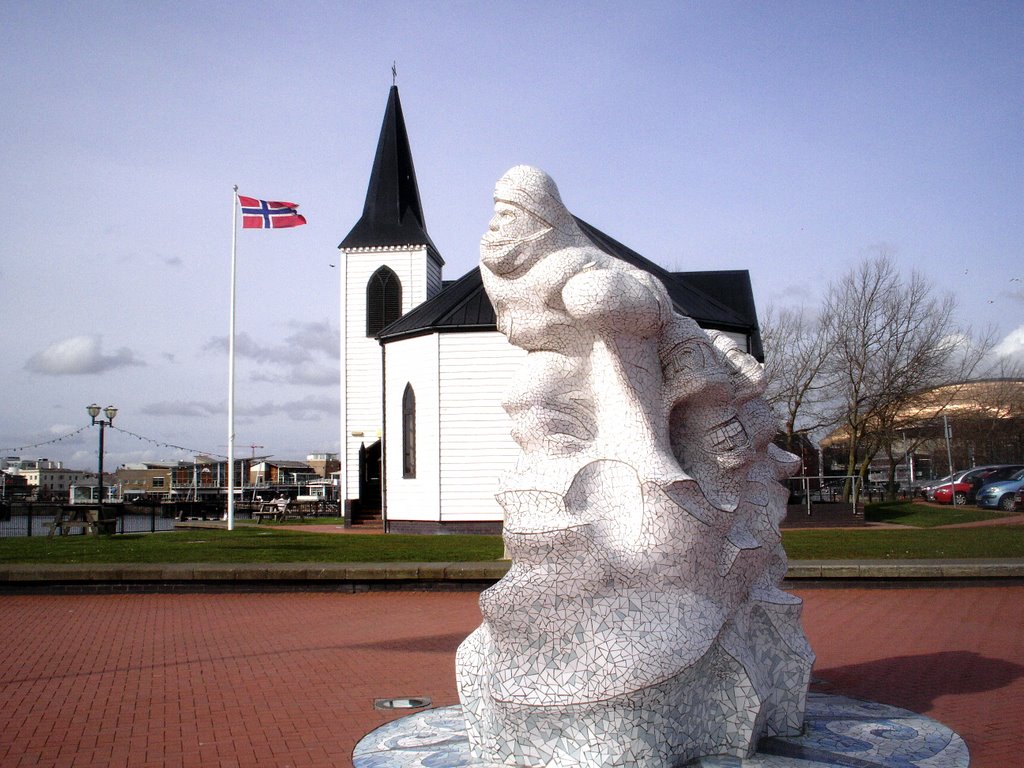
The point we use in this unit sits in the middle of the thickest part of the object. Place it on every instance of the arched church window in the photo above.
(409, 432)
(383, 300)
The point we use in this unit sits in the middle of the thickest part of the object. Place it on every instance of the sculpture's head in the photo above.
(529, 221)
(704, 391)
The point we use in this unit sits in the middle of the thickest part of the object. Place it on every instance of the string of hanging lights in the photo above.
(160, 443)
(163, 444)
(19, 448)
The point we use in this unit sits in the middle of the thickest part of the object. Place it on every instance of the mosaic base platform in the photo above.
(840, 733)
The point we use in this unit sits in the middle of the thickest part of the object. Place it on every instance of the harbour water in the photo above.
(36, 519)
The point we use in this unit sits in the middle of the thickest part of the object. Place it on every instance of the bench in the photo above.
(270, 509)
(89, 526)
(86, 517)
(265, 509)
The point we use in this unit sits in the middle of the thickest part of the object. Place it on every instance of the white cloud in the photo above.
(795, 294)
(307, 374)
(295, 361)
(188, 409)
(315, 375)
(1012, 345)
(245, 346)
(309, 408)
(80, 355)
(317, 337)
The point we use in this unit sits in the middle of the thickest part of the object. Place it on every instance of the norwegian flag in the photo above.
(269, 214)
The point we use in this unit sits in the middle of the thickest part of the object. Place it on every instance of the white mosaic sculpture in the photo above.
(640, 623)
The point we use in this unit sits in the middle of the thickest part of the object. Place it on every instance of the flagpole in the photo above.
(231, 366)
(343, 355)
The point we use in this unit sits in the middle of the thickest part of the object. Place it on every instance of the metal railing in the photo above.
(844, 490)
(33, 518)
(36, 519)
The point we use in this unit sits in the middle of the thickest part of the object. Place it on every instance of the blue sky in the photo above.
(791, 139)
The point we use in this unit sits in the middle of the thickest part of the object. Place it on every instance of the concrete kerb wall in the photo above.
(905, 569)
(361, 577)
(347, 577)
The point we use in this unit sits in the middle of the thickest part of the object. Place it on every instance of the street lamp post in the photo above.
(110, 412)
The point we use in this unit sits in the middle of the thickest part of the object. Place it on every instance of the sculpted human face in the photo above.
(503, 248)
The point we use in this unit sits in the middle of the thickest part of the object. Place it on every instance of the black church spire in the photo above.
(392, 214)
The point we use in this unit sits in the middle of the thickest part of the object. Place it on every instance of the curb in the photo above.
(354, 577)
(905, 570)
(197, 576)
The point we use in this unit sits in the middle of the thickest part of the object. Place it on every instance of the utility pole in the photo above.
(949, 456)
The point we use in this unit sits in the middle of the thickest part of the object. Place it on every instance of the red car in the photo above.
(967, 484)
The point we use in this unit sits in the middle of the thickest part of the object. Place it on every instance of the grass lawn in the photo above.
(922, 539)
(251, 544)
(247, 544)
(924, 515)
(913, 544)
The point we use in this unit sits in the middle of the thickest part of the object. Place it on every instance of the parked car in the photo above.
(999, 494)
(967, 483)
(1018, 501)
(927, 489)
(941, 491)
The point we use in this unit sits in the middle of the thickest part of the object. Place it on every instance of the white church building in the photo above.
(424, 435)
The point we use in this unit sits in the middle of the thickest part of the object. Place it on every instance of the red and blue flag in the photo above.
(269, 214)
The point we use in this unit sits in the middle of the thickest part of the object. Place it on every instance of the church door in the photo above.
(369, 476)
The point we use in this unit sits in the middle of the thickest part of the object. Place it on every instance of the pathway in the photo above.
(289, 679)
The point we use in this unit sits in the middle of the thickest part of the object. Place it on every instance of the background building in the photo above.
(986, 425)
(424, 436)
(47, 480)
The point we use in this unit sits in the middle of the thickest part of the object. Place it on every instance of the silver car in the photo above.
(999, 494)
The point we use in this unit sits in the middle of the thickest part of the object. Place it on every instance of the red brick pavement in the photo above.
(288, 679)
(955, 654)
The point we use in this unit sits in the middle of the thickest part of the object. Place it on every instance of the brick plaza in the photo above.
(289, 678)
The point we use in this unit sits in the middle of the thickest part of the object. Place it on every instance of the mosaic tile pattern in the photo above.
(841, 732)
(640, 623)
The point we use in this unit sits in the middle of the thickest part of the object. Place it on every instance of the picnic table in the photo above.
(80, 516)
(278, 511)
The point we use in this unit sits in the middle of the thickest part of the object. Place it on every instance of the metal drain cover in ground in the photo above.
(417, 702)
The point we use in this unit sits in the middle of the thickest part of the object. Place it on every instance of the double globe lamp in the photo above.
(110, 412)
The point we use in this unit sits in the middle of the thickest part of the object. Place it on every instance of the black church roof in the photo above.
(723, 300)
(462, 306)
(392, 213)
(687, 298)
(732, 287)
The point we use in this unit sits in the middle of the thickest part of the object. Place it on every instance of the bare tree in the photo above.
(890, 338)
(796, 351)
